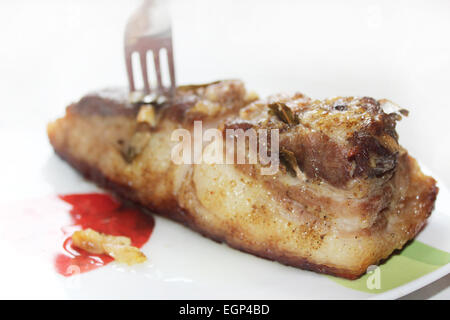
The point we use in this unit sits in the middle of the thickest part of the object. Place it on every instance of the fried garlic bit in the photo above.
(118, 247)
(147, 114)
(206, 107)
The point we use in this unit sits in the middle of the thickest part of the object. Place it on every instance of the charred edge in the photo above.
(371, 158)
(95, 105)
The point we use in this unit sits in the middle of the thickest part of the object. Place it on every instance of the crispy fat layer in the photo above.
(358, 196)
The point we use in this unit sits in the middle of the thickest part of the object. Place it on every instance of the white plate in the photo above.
(182, 264)
(384, 49)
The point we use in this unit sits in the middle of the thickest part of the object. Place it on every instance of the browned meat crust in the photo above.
(362, 196)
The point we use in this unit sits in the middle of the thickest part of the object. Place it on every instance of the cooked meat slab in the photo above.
(345, 197)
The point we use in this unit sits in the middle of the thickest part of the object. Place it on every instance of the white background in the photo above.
(52, 52)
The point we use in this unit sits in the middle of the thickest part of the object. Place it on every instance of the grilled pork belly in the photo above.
(346, 194)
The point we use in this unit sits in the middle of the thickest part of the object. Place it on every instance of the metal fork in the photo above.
(149, 29)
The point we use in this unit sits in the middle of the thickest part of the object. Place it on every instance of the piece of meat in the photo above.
(346, 195)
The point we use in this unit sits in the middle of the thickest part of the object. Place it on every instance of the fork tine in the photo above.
(129, 70)
(157, 68)
(171, 67)
(143, 58)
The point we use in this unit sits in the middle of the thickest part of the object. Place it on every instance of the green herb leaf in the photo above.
(197, 86)
(134, 147)
(288, 159)
(284, 113)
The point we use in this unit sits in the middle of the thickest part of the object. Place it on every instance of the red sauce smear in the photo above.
(104, 214)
